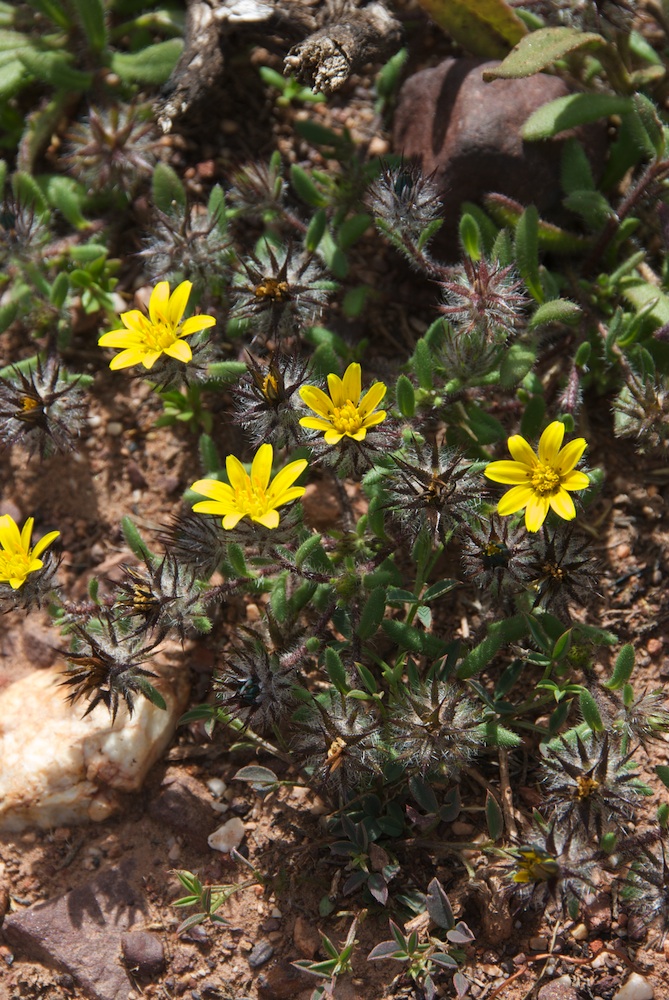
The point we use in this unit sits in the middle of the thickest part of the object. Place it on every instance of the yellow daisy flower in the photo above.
(343, 413)
(17, 558)
(251, 496)
(540, 481)
(144, 338)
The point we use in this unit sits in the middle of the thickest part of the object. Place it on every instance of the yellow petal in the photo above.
(570, 455)
(231, 520)
(317, 400)
(286, 477)
(150, 358)
(512, 473)
(521, 451)
(261, 469)
(535, 512)
(270, 519)
(134, 320)
(358, 435)
(44, 542)
(352, 383)
(375, 418)
(177, 303)
(336, 387)
(17, 582)
(239, 480)
(294, 493)
(179, 350)
(26, 533)
(333, 437)
(158, 302)
(575, 481)
(118, 338)
(514, 500)
(563, 505)
(212, 507)
(316, 423)
(10, 539)
(213, 489)
(372, 398)
(33, 566)
(133, 356)
(550, 443)
(195, 324)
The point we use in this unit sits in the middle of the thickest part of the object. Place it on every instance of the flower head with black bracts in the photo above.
(645, 890)
(267, 402)
(434, 728)
(563, 570)
(195, 543)
(112, 148)
(23, 233)
(281, 293)
(558, 867)
(144, 339)
(18, 558)
(43, 409)
(258, 189)
(252, 496)
(404, 202)
(496, 555)
(105, 667)
(540, 482)
(432, 490)
(592, 781)
(162, 597)
(254, 686)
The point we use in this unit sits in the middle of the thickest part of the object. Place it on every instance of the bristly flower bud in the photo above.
(162, 597)
(255, 687)
(267, 403)
(496, 554)
(484, 297)
(558, 867)
(406, 205)
(258, 189)
(280, 294)
(588, 15)
(433, 490)
(646, 889)
(188, 242)
(194, 542)
(45, 409)
(563, 570)
(105, 667)
(23, 233)
(641, 411)
(113, 149)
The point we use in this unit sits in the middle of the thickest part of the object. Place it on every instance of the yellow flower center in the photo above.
(252, 499)
(585, 787)
(28, 403)
(14, 566)
(270, 387)
(158, 336)
(272, 288)
(544, 480)
(346, 419)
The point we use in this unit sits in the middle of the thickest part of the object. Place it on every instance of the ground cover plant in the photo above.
(459, 469)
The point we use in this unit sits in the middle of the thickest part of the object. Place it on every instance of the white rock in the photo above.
(227, 836)
(636, 988)
(60, 769)
(217, 787)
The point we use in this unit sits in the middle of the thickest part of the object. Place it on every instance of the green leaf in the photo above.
(336, 670)
(405, 396)
(134, 539)
(225, 371)
(59, 290)
(211, 461)
(622, 668)
(543, 48)
(590, 711)
(150, 693)
(662, 771)
(422, 364)
(54, 68)
(372, 614)
(592, 206)
(352, 229)
(91, 14)
(517, 362)
(305, 187)
(27, 191)
(66, 195)
(575, 170)
(651, 131)
(572, 110)
(499, 634)
(153, 64)
(470, 236)
(257, 776)
(483, 27)
(438, 905)
(556, 311)
(642, 294)
(167, 188)
(486, 428)
(439, 589)
(527, 251)
(315, 231)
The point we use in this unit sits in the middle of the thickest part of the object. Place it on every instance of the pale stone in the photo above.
(635, 988)
(59, 768)
(227, 836)
(580, 932)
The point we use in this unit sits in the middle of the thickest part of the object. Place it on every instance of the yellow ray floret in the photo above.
(145, 338)
(543, 481)
(251, 495)
(343, 413)
(17, 558)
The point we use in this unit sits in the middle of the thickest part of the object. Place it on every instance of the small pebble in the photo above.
(227, 836)
(143, 952)
(538, 943)
(260, 954)
(217, 787)
(580, 932)
(654, 646)
(636, 988)
(114, 428)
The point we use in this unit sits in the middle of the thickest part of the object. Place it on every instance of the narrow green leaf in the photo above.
(590, 711)
(494, 817)
(662, 771)
(423, 364)
(372, 614)
(572, 110)
(305, 187)
(336, 670)
(527, 251)
(167, 189)
(315, 230)
(556, 311)
(150, 692)
(134, 539)
(91, 14)
(622, 669)
(405, 396)
(499, 634)
(470, 236)
(151, 65)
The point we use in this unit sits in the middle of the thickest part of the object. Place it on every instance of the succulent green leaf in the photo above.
(67, 196)
(622, 668)
(527, 251)
(54, 68)
(305, 187)
(556, 311)
(470, 236)
(541, 49)
(483, 27)
(91, 15)
(315, 231)
(167, 188)
(572, 110)
(494, 817)
(405, 396)
(590, 711)
(151, 65)
(372, 614)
